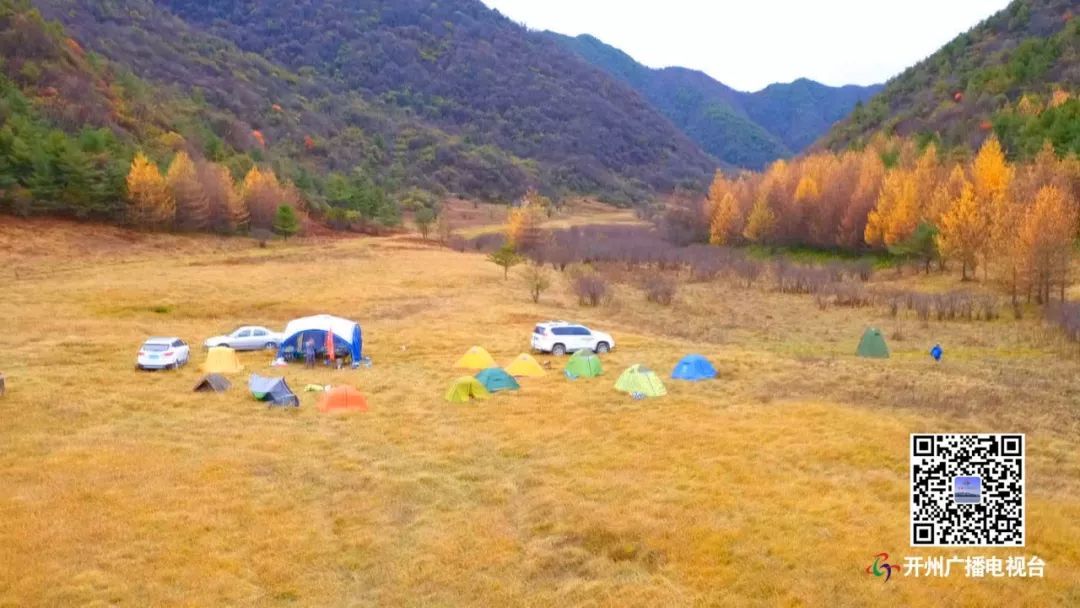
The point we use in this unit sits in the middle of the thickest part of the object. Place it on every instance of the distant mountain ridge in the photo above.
(743, 129)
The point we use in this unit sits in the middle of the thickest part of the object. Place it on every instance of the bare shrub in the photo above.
(537, 280)
(660, 289)
(748, 271)
(591, 289)
(488, 242)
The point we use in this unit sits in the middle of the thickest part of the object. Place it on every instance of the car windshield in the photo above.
(155, 348)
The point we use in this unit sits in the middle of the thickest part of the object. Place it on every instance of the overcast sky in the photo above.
(748, 44)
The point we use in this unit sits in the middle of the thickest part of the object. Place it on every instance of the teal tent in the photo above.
(274, 391)
(495, 379)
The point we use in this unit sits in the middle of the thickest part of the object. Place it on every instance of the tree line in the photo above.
(1016, 223)
(202, 196)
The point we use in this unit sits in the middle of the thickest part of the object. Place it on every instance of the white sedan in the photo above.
(163, 353)
(249, 337)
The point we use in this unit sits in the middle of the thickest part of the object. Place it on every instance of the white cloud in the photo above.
(749, 44)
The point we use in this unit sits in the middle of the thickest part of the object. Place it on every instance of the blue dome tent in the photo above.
(347, 337)
(694, 367)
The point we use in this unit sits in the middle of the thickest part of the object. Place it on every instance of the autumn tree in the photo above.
(523, 225)
(150, 204)
(991, 176)
(963, 231)
(761, 222)
(263, 194)
(192, 203)
(897, 212)
(1045, 242)
(725, 219)
(227, 209)
(870, 171)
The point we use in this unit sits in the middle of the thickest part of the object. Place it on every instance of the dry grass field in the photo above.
(774, 485)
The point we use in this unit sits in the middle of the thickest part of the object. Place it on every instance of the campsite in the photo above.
(562, 492)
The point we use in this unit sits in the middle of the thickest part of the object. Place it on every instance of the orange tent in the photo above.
(344, 398)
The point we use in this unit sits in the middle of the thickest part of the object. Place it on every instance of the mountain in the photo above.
(446, 98)
(428, 77)
(800, 112)
(1016, 74)
(743, 129)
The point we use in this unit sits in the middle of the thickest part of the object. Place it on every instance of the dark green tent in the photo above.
(495, 379)
(873, 345)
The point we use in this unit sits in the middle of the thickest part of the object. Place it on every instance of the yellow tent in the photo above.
(465, 388)
(221, 360)
(525, 366)
(476, 358)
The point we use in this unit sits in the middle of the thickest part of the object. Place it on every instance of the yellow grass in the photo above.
(473, 219)
(773, 486)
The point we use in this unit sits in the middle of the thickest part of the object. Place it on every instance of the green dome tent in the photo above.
(640, 380)
(465, 388)
(873, 345)
(495, 379)
(584, 364)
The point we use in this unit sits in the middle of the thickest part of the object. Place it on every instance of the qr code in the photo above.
(967, 490)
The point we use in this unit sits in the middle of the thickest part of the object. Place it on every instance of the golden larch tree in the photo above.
(228, 209)
(262, 194)
(150, 204)
(1045, 241)
(990, 172)
(724, 223)
(963, 231)
(897, 212)
(523, 226)
(192, 203)
(761, 222)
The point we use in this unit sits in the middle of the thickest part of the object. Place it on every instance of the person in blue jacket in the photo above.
(936, 352)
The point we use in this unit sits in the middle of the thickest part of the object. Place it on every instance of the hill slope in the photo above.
(502, 110)
(744, 129)
(456, 67)
(1013, 73)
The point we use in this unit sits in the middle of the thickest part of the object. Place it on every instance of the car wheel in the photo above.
(270, 346)
(603, 347)
(558, 350)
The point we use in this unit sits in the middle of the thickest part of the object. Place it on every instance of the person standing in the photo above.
(309, 353)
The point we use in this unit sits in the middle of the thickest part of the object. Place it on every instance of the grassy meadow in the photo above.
(774, 485)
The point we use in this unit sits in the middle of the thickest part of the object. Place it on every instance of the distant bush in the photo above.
(537, 280)
(1066, 317)
(659, 289)
(591, 289)
(944, 306)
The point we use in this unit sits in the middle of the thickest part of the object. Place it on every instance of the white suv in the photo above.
(560, 337)
(163, 353)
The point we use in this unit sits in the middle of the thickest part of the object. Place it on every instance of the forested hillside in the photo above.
(73, 121)
(746, 130)
(1016, 75)
(449, 94)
